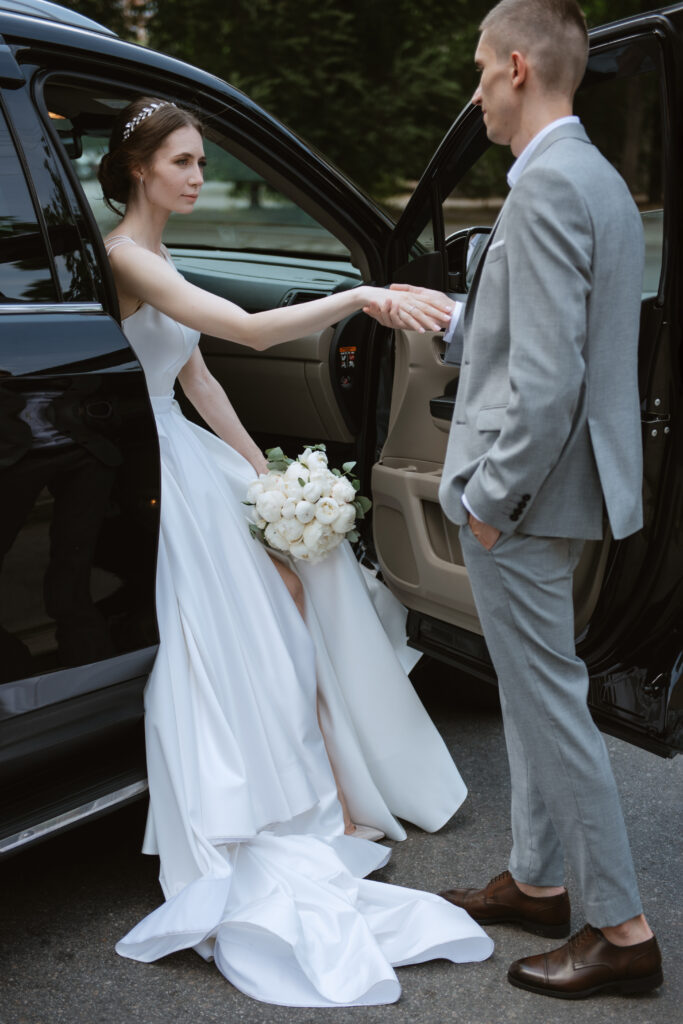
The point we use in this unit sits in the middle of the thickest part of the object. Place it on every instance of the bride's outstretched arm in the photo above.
(215, 408)
(141, 274)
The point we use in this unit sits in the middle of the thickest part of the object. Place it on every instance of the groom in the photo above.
(545, 434)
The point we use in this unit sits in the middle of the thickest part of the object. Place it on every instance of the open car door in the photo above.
(628, 595)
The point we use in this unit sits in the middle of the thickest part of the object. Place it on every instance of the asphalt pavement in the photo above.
(64, 904)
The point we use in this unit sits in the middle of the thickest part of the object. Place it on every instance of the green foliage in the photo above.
(374, 84)
(119, 16)
(277, 460)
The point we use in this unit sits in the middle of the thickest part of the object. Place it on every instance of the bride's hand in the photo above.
(411, 308)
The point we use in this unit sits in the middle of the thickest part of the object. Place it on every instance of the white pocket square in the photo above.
(495, 245)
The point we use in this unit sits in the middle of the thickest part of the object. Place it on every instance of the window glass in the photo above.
(620, 107)
(237, 210)
(25, 274)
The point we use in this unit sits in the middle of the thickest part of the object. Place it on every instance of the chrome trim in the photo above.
(61, 307)
(72, 817)
(25, 695)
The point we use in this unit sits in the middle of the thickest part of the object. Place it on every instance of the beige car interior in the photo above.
(417, 545)
(288, 384)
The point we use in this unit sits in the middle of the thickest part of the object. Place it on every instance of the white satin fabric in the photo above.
(255, 868)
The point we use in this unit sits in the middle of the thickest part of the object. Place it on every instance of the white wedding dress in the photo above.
(244, 815)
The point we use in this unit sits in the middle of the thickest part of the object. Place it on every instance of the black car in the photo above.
(79, 469)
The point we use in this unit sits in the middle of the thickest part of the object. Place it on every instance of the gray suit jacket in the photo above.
(546, 423)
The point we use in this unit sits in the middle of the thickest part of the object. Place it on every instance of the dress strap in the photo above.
(117, 240)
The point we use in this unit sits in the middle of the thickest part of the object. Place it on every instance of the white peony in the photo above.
(299, 551)
(293, 489)
(316, 461)
(305, 511)
(345, 520)
(295, 471)
(313, 491)
(288, 510)
(291, 529)
(271, 481)
(326, 479)
(256, 519)
(275, 538)
(254, 490)
(269, 504)
(343, 491)
(326, 511)
(313, 534)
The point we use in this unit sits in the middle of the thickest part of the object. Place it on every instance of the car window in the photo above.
(620, 106)
(238, 210)
(25, 270)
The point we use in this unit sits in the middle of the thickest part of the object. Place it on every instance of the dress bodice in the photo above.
(161, 344)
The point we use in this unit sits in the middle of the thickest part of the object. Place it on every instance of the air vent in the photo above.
(295, 296)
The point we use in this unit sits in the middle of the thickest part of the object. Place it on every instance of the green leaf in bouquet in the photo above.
(317, 447)
(364, 503)
(302, 482)
(257, 533)
(337, 472)
(353, 536)
(355, 484)
(277, 460)
(348, 466)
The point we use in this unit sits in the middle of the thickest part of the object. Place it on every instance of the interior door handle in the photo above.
(442, 406)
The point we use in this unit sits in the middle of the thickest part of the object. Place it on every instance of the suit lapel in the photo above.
(477, 273)
(574, 131)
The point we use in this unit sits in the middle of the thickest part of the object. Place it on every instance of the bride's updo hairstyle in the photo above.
(138, 131)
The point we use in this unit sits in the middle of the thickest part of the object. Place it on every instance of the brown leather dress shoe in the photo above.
(502, 902)
(589, 964)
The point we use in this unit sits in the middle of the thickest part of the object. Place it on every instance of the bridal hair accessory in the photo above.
(301, 507)
(130, 126)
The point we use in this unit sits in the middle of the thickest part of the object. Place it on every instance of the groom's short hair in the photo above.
(552, 33)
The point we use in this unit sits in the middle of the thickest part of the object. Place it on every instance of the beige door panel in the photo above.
(419, 374)
(286, 388)
(417, 545)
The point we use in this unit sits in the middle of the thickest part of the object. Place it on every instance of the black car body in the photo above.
(79, 469)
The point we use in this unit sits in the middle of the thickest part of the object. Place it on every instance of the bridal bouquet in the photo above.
(302, 507)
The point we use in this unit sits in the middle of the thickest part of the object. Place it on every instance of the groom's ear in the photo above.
(519, 67)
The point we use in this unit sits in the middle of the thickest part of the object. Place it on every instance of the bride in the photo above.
(257, 868)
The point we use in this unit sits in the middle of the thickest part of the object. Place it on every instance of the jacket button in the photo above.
(526, 497)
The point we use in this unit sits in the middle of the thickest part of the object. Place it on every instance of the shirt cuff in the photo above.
(455, 317)
(469, 507)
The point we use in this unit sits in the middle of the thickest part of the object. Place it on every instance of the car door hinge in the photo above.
(656, 424)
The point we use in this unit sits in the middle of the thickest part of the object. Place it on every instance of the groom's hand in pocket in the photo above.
(486, 535)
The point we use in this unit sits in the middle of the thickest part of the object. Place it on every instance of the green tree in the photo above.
(374, 84)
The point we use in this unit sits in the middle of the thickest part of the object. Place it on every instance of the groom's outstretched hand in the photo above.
(413, 308)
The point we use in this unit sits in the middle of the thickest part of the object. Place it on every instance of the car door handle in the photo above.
(442, 406)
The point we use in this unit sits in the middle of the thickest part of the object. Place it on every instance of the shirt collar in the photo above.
(523, 158)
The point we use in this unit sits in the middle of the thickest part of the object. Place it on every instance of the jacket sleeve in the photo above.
(549, 251)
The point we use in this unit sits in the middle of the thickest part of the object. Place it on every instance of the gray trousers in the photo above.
(564, 798)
